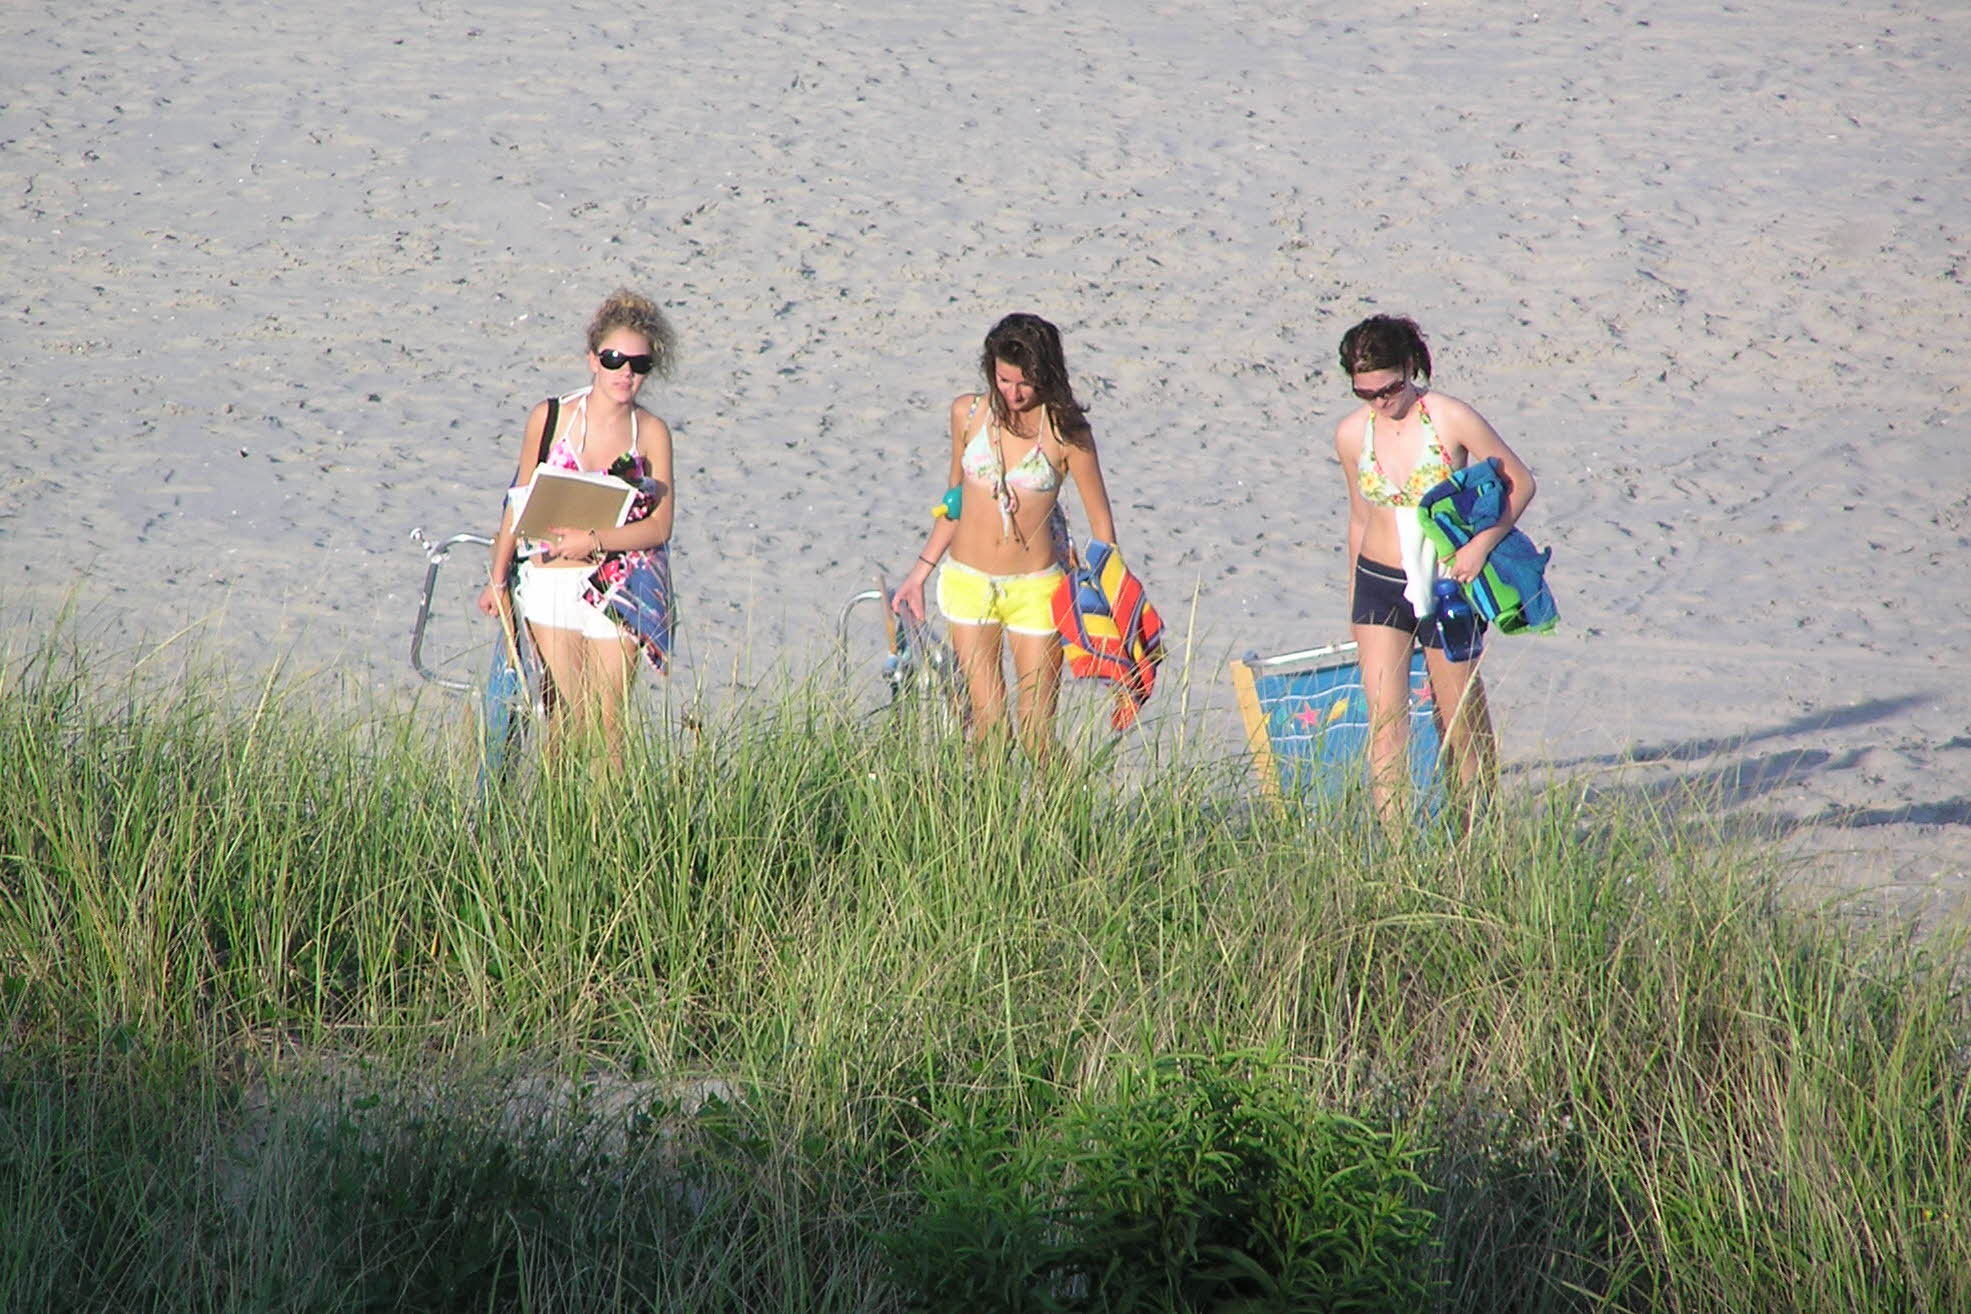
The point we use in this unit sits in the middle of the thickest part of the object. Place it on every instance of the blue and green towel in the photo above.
(1511, 592)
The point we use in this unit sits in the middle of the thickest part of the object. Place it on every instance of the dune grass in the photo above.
(812, 1005)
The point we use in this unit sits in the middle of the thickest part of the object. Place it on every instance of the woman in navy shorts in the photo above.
(1402, 441)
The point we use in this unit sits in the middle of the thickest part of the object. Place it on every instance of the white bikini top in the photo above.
(983, 461)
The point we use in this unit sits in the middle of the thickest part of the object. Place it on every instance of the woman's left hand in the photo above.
(1469, 561)
(572, 544)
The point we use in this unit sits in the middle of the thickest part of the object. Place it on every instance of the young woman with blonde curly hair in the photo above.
(566, 576)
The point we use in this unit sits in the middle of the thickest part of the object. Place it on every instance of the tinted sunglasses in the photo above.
(612, 359)
(1383, 393)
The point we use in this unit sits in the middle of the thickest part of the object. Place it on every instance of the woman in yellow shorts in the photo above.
(1011, 446)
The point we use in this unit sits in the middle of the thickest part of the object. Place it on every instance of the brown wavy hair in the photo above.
(1386, 342)
(1033, 346)
(626, 309)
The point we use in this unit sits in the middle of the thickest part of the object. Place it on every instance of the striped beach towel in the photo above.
(1109, 629)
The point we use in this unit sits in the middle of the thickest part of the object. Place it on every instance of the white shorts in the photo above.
(553, 597)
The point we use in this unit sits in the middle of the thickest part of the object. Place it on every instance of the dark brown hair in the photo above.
(1033, 346)
(1386, 342)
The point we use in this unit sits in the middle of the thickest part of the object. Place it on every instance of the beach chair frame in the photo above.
(512, 700)
(917, 662)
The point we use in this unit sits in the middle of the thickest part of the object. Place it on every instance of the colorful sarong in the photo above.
(634, 588)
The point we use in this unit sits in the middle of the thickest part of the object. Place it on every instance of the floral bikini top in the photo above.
(1431, 469)
(631, 467)
(566, 454)
(1032, 473)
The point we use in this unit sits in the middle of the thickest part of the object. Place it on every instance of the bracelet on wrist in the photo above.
(926, 560)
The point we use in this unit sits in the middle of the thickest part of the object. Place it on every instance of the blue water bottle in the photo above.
(1457, 621)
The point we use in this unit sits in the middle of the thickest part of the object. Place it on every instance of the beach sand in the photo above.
(283, 281)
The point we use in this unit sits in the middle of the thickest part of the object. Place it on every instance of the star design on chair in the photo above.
(1312, 715)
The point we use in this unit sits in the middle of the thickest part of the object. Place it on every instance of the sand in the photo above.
(283, 280)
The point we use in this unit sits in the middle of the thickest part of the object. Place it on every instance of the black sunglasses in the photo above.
(1383, 393)
(613, 359)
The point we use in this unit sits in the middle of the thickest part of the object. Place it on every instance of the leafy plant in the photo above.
(1201, 1182)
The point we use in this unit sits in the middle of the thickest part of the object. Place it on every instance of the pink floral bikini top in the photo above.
(631, 467)
(567, 454)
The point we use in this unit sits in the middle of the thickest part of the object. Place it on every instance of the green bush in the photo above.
(1198, 1183)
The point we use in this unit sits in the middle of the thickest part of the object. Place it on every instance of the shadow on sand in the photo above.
(1730, 776)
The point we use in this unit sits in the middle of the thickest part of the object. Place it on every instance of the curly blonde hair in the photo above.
(630, 310)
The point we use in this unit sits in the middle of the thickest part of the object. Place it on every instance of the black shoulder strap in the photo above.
(541, 449)
(547, 430)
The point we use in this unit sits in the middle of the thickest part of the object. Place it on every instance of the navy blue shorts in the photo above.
(1379, 600)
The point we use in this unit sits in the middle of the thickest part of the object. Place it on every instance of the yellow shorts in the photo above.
(1023, 604)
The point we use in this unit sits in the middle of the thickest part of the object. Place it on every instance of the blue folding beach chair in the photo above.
(1307, 723)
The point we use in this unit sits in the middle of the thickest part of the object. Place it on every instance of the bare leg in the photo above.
(1037, 666)
(1466, 724)
(977, 650)
(611, 665)
(1383, 653)
(591, 680)
(561, 654)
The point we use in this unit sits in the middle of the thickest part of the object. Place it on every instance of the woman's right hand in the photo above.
(909, 597)
(490, 598)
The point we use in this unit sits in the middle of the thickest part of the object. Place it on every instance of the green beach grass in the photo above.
(817, 1011)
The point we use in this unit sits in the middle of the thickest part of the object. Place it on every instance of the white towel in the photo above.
(1419, 561)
